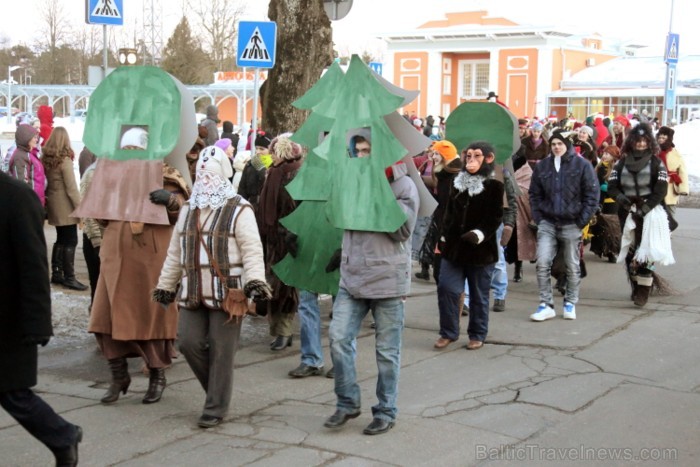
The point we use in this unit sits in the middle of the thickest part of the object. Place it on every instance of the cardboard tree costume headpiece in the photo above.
(484, 121)
(132, 107)
(330, 182)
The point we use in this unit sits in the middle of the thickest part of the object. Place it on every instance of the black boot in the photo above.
(68, 457)
(424, 272)
(57, 264)
(69, 280)
(120, 380)
(156, 386)
(518, 274)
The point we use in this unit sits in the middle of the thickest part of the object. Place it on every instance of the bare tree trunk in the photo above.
(304, 49)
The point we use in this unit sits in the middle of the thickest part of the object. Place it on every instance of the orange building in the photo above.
(466, 55)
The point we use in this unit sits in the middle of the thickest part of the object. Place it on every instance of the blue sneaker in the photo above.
(569, 310)
(544, 312)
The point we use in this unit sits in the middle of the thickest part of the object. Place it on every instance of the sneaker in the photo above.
(544, 312)
(569, 310)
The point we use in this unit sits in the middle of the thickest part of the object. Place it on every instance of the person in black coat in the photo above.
(25, 319)
(473, 213)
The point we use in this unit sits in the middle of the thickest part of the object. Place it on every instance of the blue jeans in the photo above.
(348, 313)
(310, 329)
(549, 238)
(452, 279)
(499, 280)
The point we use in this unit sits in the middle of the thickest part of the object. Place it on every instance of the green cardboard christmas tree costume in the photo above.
(317, 239)
(151, 99)
(340, 192)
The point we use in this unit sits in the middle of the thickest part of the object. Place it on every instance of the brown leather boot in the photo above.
(156, 386)
(120, 380)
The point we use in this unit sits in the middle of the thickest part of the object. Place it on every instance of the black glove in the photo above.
(257, 290)
(624, 202)
(163, 297)
(36, 340)
(334, 262)
(161, 196)
(645, 209)
(290, 241)
(532, 226)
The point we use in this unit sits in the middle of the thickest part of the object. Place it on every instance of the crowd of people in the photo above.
(613, 183)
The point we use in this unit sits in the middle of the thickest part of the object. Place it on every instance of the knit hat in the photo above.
(284, 148)
(447, 150)
(262, 140)
(537, 126)
(136, 137)
(24, 133)
(669, 132)
(223, 144)
(587, 129)
(561, 137)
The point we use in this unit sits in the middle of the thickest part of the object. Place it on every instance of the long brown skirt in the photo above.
(156, 353)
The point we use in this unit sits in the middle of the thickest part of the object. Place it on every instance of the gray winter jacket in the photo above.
(377, 264)
(210, 124)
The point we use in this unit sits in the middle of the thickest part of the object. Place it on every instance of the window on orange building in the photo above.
(474, 79)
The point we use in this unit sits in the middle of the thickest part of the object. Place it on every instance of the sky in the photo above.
(622, 19)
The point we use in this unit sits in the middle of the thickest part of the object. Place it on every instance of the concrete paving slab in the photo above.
(663, 348)
(639, 425)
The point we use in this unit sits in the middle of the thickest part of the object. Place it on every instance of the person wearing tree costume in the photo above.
(131, 130)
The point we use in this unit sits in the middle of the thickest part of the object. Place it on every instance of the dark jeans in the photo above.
(92, 261)
(67, 235)
(39, 419)
(451, 287)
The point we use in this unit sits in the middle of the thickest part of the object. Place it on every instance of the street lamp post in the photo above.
(10, 69)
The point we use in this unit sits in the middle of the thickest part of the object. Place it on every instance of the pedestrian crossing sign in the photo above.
(257, 42)
(110, 12)
(671, 55)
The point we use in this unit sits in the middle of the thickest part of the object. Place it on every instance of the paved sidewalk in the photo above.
(618, 386)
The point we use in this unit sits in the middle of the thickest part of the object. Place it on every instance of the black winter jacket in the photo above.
(24, 283)
(464, 213)
(569, 196)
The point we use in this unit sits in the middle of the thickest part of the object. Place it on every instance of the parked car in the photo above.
(80, 113)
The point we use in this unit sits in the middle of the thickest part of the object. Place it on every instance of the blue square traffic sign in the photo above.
(256, 44)
(110, 12)
(671, 55)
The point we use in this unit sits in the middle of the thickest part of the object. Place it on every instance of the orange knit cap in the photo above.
(447, 150)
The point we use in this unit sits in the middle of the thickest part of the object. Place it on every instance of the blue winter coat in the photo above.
(569, 196)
